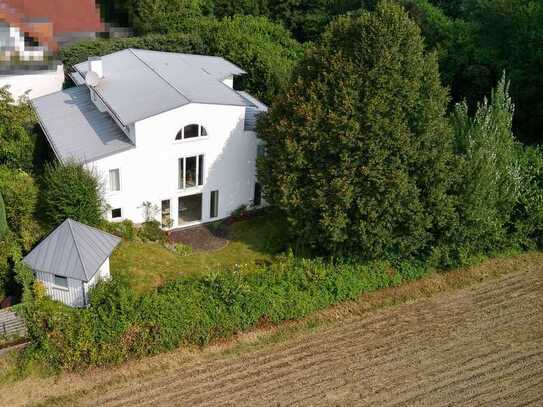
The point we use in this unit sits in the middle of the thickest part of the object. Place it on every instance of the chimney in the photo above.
(95, 65)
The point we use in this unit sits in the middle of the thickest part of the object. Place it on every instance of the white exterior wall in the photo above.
(149, 172)
(40, 83)
(78, 291)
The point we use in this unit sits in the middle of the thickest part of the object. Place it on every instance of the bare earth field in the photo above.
(479, 345)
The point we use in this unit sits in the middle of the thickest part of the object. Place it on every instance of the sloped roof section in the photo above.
(76, 129)
(72, 250)
(138, 84)
(252, 112)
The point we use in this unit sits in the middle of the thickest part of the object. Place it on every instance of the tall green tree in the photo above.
(491, 180)
(359, 150)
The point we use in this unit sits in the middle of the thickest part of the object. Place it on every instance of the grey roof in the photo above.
(72, 250)
(76, 129)
(252, 112)
(77, 78)
(138, 84)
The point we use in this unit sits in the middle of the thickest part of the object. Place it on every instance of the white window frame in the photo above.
(113, 191)
(184, 158)
(118, 218)
(61, 287)
(199, 137)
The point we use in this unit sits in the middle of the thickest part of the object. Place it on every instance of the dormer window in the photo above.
(191, 131)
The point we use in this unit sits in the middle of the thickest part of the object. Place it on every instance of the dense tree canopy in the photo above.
(486, 38)
(358, 148)
(265, 50)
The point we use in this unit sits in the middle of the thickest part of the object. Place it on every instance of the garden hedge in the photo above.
(194, 310)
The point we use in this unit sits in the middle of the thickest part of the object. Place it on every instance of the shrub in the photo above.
(195, 310)
(19, 144)
(71, 191)
(10, 253)
(125, 229)
(20, 193)
(527, 217)
(152, 232)
(239, 212)
(180, 249)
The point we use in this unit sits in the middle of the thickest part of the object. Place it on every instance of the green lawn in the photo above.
(149, 265)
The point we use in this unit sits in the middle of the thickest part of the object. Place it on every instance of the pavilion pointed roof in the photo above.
(72, 250)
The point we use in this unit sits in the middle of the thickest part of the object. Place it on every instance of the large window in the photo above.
(214, 204)
(191, 171)
(114, 180)
(191, 131)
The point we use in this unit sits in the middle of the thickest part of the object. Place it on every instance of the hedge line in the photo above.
(120, 325)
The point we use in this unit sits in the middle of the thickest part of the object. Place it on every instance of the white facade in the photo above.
(37, 83)
(77, 292)
(150, 171)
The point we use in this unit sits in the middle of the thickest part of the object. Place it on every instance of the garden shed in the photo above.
(71, 260)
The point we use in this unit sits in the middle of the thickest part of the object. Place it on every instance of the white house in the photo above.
(71, 260)
(159, 127)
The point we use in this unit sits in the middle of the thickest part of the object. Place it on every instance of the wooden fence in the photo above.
(11, 325)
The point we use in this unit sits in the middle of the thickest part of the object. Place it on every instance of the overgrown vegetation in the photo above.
(71, 191)
(119, 325)
(362, 159)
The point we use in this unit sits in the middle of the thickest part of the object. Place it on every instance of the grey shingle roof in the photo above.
(76, 129)
(138, 84)
(72, 250)
(252, 112)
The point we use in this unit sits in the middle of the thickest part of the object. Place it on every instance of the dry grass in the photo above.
(475, 344)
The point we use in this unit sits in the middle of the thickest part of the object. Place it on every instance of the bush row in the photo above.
(195, 310)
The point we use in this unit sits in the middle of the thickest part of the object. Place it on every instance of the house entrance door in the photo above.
(190, 209)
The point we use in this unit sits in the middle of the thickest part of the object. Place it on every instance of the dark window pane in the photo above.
(204, 132)
(181, 174)
(214, 207)
(179, 135)
(190, 170)
(191, 131)
(257, 200)
(61, 281)
(201, 169)
(116, 213)
(190, 208)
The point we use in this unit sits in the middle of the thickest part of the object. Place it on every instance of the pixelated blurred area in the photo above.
(32, 31)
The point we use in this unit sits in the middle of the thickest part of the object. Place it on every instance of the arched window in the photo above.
(191, 131)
